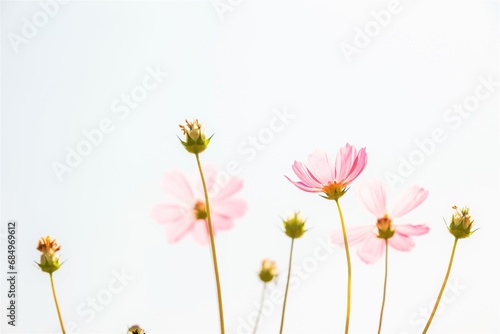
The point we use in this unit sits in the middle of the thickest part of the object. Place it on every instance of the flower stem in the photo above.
(262, 298)
(348, 257)
(57, 304)
(212, 245)
(385, 285)
(442, 287)
(286, 289)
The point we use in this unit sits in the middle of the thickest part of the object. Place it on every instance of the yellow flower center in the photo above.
(200, 210)
(334, 190)
(384, 225)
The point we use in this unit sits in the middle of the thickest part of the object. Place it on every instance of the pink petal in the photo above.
(355, 235)
(168, 213)
(176, 231)
(373, 196)
(343, 162)
(176, 184)
(371, 249)
(233, 208)
(358, 166)
(412, 198)
(225, 190)
(304, 187)
(305, 175)
(401, 242)
(411, 229)
(200, 232)
(319, 165)
(221, 222)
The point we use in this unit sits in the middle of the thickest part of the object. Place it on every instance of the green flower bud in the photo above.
(294, 226)
(49, 260)
(461, 223)
(268, 271)
(385, 229)
(196, 142)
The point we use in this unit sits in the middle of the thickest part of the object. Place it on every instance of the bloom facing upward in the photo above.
(371, 239)
(190, 214)
(461, 223)
(324, 175)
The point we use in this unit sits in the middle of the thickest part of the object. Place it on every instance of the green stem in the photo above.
(442, 287)
(57, 304)
(262, 298)
(212, 245)
(348, 258)
(286, 289)
(385, 285)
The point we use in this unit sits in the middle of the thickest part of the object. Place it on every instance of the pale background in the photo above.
(231, 72)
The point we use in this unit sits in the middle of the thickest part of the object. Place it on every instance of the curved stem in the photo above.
(348, 258)
(442, 287)
(212, 245)
(286, 289)
(262, 298)
(385, 285)
(57, 304)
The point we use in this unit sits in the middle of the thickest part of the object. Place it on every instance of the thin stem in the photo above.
(385, 285)
(262, 298)
(212, 245)
(57, 304)
(442, 287)
(286, 289)
(348, 258)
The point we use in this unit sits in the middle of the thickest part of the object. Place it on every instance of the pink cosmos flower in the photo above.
(371, 239)
(190, 214)
(322, 174)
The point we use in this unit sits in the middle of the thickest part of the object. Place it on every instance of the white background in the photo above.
(233, 71)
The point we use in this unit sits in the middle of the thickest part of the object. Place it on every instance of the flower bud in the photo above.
(196, 142)
(268, 271)
(49, 260)
(136, 330)
(461, 223)
(294, 226)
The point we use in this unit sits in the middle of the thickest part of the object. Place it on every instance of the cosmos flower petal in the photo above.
(373, 196)
(234, 208)
(175, 232)
(221, 222)
(412, 198)
(355, 235)
(401, 242)
(343, 162)
(358, 166)
(371, 249)
(319, 165)
(168, 213)
(225, 190)
(411, 229)
(200, 232)
(176, 184)
(305, 176)
(302, 186)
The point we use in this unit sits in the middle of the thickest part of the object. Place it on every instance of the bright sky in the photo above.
(91, 98)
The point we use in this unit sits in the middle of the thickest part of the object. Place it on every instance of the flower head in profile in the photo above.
(371, 239)
(189, 215)
(461, 223)
(49, 260)
(136, 330)
(196, 141)
(268, 271)
(323, 175)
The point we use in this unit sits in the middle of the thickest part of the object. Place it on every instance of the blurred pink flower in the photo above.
(323, 175)
(371, 239)
(190, 214)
